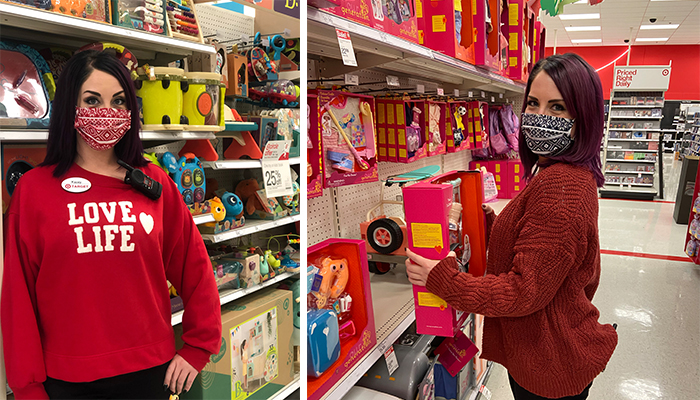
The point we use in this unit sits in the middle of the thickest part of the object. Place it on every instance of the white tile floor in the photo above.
(656, 304)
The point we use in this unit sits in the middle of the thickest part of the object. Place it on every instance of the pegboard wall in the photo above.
(224, 24)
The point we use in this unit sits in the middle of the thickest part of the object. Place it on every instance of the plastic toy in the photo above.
(122, 53)
(56, 58)
(259, 64)
(435, 130)
(146, 15)
(278, 93)
(323, 341)
(189, 178)
(459, 131)
(27, 88)
(203, 101)
(271, 260)
(292, 202)
(160, 90)
(218, 210)
(238, 75)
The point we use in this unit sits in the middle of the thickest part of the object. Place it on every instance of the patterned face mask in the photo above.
(546, 135)
(102, 128)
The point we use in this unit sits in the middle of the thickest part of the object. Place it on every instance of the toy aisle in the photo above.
(413, 121)
(217, 86)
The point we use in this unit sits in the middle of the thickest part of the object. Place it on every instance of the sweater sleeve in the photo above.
(188, 268)
(24, 355)
(550, 244)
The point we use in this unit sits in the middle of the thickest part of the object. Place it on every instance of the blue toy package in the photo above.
(28, 87)
(190, 180)
(323, 341)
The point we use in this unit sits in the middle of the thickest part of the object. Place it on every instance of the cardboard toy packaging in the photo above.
(256, 357)
(520, 22)
(447, 27)
(436, 127)
(459, 136)
(237, 75)
(507, 173)
(398, 139)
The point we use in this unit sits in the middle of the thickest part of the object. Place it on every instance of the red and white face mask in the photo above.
(102, 128)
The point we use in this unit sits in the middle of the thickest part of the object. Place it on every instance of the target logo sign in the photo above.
(665, 72)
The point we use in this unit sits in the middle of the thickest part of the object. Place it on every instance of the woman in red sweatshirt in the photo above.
(543, 264)
(85, 303)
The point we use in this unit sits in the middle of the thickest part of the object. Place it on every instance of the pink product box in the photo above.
(507, 173)
(400, 138)
(314, 169)
(396, 17)
(340, 166)
(436, 126)
(355, 10)
(429, 236)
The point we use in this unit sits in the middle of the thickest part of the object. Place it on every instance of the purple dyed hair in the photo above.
(580, 87)
(61, 146)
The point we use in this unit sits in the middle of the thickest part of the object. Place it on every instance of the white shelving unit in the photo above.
(251, 226)
(287, 390)
(242, 164)
(228, 296)
(41, 135)
(203, 218)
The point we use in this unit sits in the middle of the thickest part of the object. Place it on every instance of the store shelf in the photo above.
(630, 172)
(228, 296)
(633, 117)
(633, 161)
(628, 106)
(392, 298)
(251, 226)
(287, 390)
(631, 140)
(242, 164)
(56, 28)
(203, 218)
(629, 184)
(634, 130)
(617, 188)
(377, 49)
(290, 75)
(32, 135)
(632, 150)
(239, 127)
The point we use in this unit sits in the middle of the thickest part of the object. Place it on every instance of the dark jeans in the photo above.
(522, 394)
(145, 384)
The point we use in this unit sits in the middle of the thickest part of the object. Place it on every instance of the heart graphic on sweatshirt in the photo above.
(438, 249)
(147, 222)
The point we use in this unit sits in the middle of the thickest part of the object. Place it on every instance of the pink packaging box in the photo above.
(393, 135)
(428, 236)
(453, 123)
(396, 17)
(355, 10)
(456, 352)
(359, 128)
(436, 125)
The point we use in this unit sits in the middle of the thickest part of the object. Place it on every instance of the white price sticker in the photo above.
(500, 95)
(277, 178)
(493, 100)
(392, 80)
(420, 88)
(351, 79)
(470, 94)
(483, 94)
(486, 392)
(266, 42)
(346, 49)
(440, 91)
(392, 364)
(456, 92)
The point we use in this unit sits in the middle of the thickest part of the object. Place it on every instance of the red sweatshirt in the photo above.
(543, 269)
(84, 292)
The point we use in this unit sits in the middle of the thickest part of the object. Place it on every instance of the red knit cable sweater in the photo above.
(543, 269)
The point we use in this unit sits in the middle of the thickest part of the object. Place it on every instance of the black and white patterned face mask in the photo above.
(546, 135)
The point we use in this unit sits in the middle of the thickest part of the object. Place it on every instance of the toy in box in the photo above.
(291, 202)
(396, 17)
(448, 27)
(314, 158)
(16, 161)
(520, 24)
(27, 89)
(508, 175)
(455, 222)
(238, 75)
(346, 122)
(227, 274)
(340, 296)
(267, 130)
(487, 46)
(457, 128)
(400, 130)
(256, 349)
(95, 10)
(143, 15)
(360, 11)
(250, 275)
(435, 132)
(271, 208)
(478, 114)
(227, 212)
(538, 42)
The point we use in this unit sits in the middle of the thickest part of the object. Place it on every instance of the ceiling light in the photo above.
(579, 16)
(581, 28)
(667, 26)
(586, 40)
(646, 39)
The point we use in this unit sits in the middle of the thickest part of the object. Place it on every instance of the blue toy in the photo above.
(190, 181)
(233, 206)
(323, 341)
(168, 162)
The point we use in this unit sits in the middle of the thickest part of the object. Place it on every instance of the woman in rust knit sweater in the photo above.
(543, 264)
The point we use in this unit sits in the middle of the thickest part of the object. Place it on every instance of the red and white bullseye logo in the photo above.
(665, 72)
(76, 185)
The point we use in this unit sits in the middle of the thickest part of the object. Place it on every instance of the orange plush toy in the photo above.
(246, 190)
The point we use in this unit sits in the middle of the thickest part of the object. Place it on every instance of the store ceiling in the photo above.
(618, 16)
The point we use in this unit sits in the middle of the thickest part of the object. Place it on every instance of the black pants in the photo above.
(145, 384)
(522, 394)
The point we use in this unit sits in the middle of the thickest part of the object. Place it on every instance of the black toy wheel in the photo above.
(385, 236)
(379, 268)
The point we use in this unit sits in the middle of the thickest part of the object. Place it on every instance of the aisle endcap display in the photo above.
(337, 272)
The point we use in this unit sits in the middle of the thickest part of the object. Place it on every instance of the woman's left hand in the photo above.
(418, 267)
(180, 375)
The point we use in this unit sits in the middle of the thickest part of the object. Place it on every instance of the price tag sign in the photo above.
(493, 100)
(392, 80)
(456, 92)
(392, 364)
(346, 49)
(483, 94)
(277, 178)
(266, 42)
(420, 88)
(470, 94)
(351, 79)
(440, 91)
(500, 95)
(486, 392)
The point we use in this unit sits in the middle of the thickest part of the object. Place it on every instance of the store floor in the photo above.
(654, 301)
